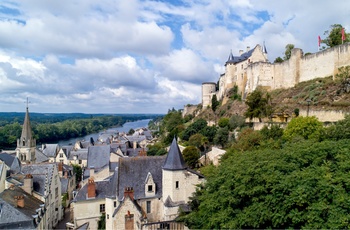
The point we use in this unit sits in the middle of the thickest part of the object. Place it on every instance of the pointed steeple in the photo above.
(264, 50)
(26, 135)
(174, 160)
(26, 144)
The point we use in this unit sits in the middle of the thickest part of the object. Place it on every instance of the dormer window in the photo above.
(150, 186)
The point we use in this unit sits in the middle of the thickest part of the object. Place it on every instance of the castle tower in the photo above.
(208, 90)
(25, 150)
(173, 179)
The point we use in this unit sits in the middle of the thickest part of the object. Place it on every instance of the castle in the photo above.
(252, 69)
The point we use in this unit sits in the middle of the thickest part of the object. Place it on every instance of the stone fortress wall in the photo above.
(297, 69)
(257, 71)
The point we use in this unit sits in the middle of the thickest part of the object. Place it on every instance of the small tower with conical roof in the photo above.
(174, 174)
(26, 144)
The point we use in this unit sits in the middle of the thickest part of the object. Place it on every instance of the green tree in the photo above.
(214, 103)
(341, 130)
(236, 121)
(302, 186)
(334, 36)
(305, 127)
(78, 172)
(248, 139)
(221, 137)
(288, 52)
(258, 104)
(191, 156)
(223, 122)
(278, 60)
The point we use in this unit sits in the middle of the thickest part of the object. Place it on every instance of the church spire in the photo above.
(26, 136)
(26, 144)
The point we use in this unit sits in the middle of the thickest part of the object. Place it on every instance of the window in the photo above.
(56, 192)
(102, 207)
(80, 162)
(107, 216)
(148, 204)
(115, 203)
(150, 188)
(242, 66)
(177, 184)
(61, 155)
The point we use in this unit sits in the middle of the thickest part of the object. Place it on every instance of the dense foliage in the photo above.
(275, 178)
(258, 104)
(303, 185)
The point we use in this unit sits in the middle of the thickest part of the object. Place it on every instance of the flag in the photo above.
(342, 34)
(319, 40)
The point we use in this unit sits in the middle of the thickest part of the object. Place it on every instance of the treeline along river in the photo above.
(46, 131)
(124, 128)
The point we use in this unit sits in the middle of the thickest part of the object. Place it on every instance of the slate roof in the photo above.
(67, 149)
(174, 160)
(102, 191)
(121, 146)
(132, 172)
(17, 218)
(42, 175)
(98, 157)
(237, 59)
(40, 157)
(50, 150)
(81, 154)
(64, 185)
(9, 160)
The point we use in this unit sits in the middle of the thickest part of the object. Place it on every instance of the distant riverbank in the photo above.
(124, 128)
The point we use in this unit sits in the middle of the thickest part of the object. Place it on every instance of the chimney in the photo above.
(28, 183)
(142, 153)
(92, 171)
(60, 168)
(91, 189)
(248, 48)
(240, 52)
(129, 191)
(134, 144)
(65, 175)
(19, 201)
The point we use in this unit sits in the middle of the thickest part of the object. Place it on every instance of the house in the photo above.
(51, 151)
(43, 182)
(98, 162)
(13, 165)
(20, 210)
(90, 203)
(151, 189)
(63, 154)
(3, 175)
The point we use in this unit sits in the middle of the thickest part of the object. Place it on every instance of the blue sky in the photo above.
(140, 56)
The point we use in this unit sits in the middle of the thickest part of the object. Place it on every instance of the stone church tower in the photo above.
(25, 150)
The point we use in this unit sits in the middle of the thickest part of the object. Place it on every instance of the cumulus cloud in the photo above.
(140, 55)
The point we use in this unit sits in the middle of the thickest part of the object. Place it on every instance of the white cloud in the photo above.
(140, 55)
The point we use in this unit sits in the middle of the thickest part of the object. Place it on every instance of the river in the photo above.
(125, 128)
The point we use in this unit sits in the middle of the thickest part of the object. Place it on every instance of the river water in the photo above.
(125, 128)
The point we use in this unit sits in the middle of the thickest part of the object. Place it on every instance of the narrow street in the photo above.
(62, 224)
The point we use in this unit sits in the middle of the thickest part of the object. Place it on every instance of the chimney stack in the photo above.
(240, 52)
(60, 169)
(28, 183)
(19, 201)
(91, 189)
(135, 144)
(248, 48)
(92, 171)
(129, 191)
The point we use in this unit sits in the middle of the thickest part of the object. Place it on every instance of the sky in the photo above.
(141, 56)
